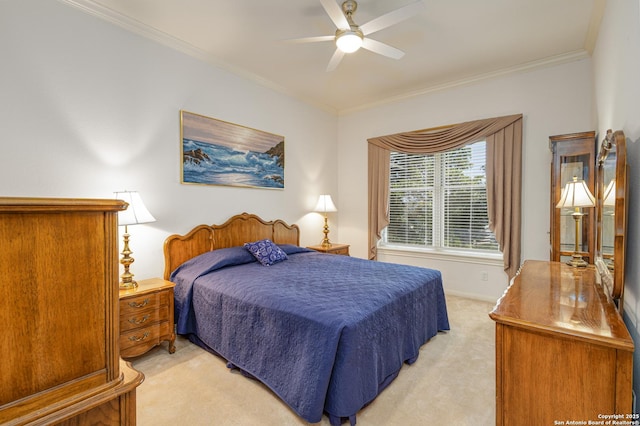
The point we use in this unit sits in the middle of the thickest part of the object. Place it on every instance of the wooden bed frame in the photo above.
(236, 231)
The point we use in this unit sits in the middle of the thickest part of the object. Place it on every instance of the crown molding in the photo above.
(133, 25)
(520, 68)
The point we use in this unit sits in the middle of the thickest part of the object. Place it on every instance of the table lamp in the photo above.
(609, 200)
(576, 195)
(135, 214)
(324, 206)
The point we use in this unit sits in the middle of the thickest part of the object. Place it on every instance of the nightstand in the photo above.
(333, 248)
(146, 317)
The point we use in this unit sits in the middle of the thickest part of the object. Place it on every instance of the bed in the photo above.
(326, 333)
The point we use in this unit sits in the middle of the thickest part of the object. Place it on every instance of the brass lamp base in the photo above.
(577, 261)
(126, 279)
(325, 240)
(128, 285)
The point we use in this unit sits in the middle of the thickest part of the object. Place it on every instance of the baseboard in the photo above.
(472, 296)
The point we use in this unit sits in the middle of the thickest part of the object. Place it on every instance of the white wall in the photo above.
(554, 100)
(616, 63)
(88, 108)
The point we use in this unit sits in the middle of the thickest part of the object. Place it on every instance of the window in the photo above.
(440, 200)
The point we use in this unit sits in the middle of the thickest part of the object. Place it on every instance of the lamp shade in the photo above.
(576, 194)
(609, 198)
(325, 204)
(136, 212)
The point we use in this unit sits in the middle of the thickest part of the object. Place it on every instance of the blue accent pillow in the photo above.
(266, 251)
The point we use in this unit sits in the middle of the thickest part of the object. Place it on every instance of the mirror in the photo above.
(611, 213)
(606, 187)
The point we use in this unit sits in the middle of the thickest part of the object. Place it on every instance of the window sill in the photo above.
(446, 255)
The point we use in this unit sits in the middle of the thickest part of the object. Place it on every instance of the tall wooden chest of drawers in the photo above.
(60, 360)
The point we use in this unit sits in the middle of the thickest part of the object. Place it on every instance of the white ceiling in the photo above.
(449, 42)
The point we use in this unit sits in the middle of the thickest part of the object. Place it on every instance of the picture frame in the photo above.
(216, 152)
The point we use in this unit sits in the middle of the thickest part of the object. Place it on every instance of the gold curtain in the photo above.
(504, 175)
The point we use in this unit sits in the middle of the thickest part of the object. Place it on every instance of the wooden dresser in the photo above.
(563, 351)
(60, 360)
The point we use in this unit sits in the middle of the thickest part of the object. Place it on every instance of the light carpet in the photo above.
(451, 383)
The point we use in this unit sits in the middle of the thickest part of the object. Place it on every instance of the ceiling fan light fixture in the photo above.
(349, 41)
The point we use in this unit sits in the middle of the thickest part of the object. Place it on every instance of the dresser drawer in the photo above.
(138, 341)
(342, 250)
(143, 318)
(134, 305)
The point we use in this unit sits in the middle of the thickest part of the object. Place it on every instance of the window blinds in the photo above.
(440, 200)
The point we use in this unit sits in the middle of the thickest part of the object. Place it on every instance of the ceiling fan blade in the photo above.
(311, 39)
(391, 18)
(335, 60)
(382, 49)
(335, 13)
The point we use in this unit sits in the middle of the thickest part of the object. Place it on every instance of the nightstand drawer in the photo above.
(134, 305)
(342, 250)
(143, 318)
(140, 340)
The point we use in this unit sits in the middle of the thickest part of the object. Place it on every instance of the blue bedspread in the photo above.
(325, 332)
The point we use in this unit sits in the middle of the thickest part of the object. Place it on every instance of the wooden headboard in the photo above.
(236, 231)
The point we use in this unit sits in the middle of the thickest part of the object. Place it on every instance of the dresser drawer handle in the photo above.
(145, 302)
(139, 321)
(139, 339)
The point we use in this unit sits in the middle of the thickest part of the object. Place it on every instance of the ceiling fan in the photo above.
(349, 36)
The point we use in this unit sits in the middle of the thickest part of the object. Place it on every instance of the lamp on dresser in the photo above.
(576, 195)
(609, 198)
(325, 205)
(136, 213)
(609, 201)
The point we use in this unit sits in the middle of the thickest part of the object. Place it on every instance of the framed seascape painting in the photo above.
(216, 152)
